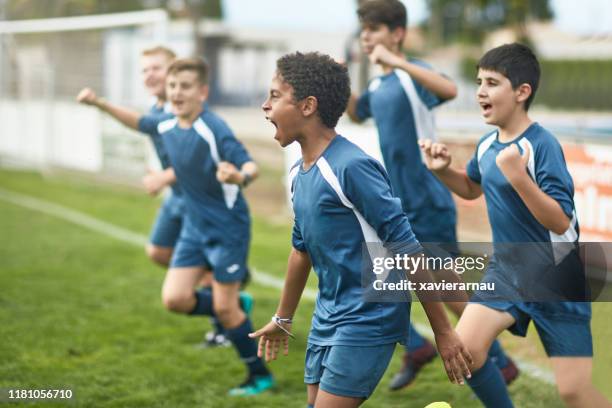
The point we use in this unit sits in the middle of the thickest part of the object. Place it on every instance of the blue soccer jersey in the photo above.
(341, 202)
(402, 110)
(511, 220)
(147, 126)
(216, 210)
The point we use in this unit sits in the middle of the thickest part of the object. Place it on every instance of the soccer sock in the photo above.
(247, 348)
(219, 329)
(204, 303)
(415, 340)
(497, 355)
(489, 386)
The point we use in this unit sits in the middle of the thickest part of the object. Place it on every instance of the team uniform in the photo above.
(402, 109)
(216, 232)
(340, 203)
(563, 326)
(169, 221)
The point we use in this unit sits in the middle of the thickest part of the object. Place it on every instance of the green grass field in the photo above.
(81, 310)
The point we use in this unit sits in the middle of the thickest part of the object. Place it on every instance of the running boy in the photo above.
(521, 170)
(167, 226)
(341, 200)
(401, 101)
(212, 166)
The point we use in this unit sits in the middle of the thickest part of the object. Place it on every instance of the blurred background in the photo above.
(53, 148)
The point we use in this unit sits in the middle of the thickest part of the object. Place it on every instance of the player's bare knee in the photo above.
(570, 392)
(224, 312)
(178, 302)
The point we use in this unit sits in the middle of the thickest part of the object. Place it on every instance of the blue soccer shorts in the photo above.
(167, 227)
(348, 371)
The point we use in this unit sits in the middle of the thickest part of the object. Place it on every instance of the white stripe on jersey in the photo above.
(424, 120)
(369, 233)
(230, 191)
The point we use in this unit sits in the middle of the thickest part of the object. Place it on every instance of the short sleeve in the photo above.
(233, 151)
(296, 238)
(472, 169)
(368, 188)
(362, 110)
(430, 99)
(552, 175)
(148, 123)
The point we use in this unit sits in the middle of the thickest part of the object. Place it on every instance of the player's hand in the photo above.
(437, 157)
(511, 163)
(271, 338)
(381, 55)
(455, 356)
(228, 173)
(87, 96)
(154, 182)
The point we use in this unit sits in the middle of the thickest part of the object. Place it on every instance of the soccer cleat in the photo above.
(413, 362)
(510, 372)
(255, 384)
(213, 339)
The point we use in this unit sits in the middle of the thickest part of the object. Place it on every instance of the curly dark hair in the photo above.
(317, 75)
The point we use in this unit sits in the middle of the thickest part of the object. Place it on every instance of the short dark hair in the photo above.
(198, 65)
(517, 62)
(391, 13)
(318, 75)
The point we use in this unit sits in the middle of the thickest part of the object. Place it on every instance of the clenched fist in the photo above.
(511, 163)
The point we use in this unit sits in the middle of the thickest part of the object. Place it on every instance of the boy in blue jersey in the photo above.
(167, 226)
(341, 200)
(401, 101)
(169, 221)
(521, 170)
(212, 166)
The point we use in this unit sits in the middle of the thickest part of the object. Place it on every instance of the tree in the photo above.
(469, 20)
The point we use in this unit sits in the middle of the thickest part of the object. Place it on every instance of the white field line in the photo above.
(133, 238)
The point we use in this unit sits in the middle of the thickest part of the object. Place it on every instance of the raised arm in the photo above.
(438, 160)
(351, 109)
(434, 82)
(126, 116)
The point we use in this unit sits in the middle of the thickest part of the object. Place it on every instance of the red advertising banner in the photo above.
(591, 168)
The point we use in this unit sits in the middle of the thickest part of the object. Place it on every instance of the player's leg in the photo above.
(573, 377)
(178, 291)
(188, 265)
(507, 366)
(328, 400)
(478, 327)
(311, 391)
(565, 331)
(238, 326)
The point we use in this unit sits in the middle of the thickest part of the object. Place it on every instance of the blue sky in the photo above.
(582, 17)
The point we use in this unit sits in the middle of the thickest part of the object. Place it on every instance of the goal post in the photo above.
(45, 62)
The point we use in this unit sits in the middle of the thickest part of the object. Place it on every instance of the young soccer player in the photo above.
(341, 200)
(167, 226)
(212, 166)
(521, 170)
(169, 221)
(401, 101)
